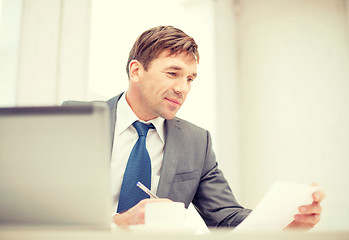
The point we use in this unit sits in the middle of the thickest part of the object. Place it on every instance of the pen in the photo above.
(146, 190)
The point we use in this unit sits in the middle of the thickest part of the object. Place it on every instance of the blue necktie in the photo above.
(138, 168)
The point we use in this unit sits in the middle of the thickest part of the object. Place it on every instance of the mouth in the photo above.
(174, 101)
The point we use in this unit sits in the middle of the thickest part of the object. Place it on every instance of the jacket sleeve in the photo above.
(214, 199)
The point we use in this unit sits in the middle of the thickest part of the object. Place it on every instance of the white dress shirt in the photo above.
(125, 137)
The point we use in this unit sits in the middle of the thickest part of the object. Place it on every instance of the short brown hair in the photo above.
(150, 44)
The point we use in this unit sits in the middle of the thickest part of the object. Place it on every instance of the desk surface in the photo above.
(28, 234)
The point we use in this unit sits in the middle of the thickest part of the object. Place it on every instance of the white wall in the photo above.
(227, 96)
(10, 25)
(39, 53)
(53, 55)
(294, 95)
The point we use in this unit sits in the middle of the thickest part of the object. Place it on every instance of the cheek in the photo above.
(189, 88)
(163, 89)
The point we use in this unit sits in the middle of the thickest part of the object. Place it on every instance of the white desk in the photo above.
(13, 234)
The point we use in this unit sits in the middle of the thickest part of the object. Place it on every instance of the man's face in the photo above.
(165, 86)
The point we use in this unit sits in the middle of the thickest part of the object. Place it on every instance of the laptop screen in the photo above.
(54, 166)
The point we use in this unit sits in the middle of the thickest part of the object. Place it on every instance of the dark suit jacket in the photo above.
(189, 172)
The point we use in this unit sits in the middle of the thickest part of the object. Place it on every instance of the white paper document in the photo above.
(278, 207)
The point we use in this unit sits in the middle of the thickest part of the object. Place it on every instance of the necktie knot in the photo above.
(142, 128)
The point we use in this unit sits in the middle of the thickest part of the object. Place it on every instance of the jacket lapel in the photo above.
(171, 156)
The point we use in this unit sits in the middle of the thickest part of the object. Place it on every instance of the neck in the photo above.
(135, 104)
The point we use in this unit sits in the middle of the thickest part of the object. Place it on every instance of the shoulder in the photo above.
(111, 102)
(191, 130)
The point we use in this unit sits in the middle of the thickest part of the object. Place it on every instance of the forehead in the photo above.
(183, 60)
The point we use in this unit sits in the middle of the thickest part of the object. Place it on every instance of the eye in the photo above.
(173, 74)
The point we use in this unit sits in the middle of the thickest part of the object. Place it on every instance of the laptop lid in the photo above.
(54, 166)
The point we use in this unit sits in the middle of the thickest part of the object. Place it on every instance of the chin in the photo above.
(167, 113)
(168, 116)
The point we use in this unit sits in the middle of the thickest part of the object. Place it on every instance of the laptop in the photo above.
(54, 166)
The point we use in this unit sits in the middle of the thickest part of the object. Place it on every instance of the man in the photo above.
(161, 67)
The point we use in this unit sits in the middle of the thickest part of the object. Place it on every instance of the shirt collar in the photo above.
(125, 117)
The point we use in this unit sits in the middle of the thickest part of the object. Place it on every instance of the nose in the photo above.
(182, 86)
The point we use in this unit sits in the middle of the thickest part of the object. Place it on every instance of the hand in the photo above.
(135, 215)
(309, 214)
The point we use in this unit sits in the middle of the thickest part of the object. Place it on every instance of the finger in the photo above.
(299, 226)
(314, 184)
(318, 196)
(307, 219)
(310, 209)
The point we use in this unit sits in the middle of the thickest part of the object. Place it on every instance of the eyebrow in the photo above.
(194, 74)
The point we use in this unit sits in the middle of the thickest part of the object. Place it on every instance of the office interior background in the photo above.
(272, 86)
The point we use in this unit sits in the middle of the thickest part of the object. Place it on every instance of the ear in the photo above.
(135, 70)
